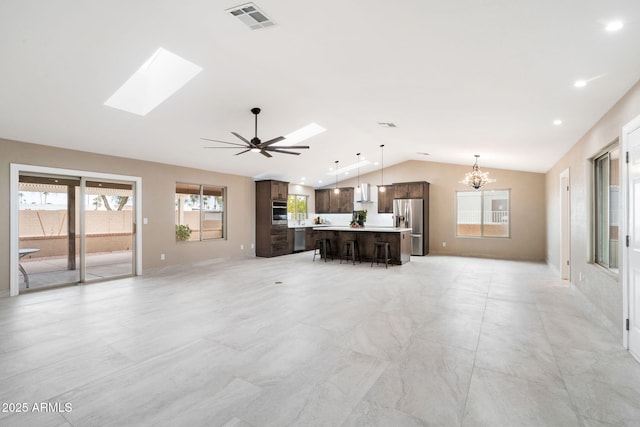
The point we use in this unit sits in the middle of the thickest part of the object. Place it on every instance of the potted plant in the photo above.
(358, 219)
(183, 232)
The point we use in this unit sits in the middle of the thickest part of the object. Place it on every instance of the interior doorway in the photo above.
(70, 227)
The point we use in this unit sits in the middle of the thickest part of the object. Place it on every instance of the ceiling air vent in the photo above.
(251, 15)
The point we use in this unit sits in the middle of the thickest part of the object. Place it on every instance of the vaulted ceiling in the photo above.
(457, 78)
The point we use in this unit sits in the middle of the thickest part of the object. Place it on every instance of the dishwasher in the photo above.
(299, 240)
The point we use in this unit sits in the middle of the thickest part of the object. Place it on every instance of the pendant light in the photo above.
(476, 178)
(336, 190)
(382, 189)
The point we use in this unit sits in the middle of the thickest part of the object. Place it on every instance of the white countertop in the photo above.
(306, 225)
(369, 229)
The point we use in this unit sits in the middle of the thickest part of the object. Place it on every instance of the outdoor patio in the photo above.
(52, 271)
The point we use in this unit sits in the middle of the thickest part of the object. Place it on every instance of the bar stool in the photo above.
(350, 250)
(323, 248)
(379, 249)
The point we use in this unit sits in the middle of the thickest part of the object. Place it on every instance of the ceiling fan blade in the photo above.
(237, 135)
(264, 153)
(224, 142)
(289, 147)
(273, 141)
(284, 152)
(242, 152)
(233, 148)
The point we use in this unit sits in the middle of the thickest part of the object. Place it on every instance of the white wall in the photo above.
(602, 288)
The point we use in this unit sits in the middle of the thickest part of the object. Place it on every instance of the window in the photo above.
(200, 213)
(297, 207)
(483, 213)
(606, 198)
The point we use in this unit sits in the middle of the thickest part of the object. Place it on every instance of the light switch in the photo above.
(145, 221)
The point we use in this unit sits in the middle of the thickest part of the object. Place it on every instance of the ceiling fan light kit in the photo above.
(255, 145)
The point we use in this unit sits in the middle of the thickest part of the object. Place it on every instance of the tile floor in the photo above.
(441, 341)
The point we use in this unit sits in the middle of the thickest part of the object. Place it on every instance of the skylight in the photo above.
(310, 130)
(156, 80)
(348, 168)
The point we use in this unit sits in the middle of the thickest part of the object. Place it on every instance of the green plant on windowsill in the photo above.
(358, 219)
(183, 232)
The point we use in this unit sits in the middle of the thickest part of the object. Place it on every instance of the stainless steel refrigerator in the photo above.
(409, 213)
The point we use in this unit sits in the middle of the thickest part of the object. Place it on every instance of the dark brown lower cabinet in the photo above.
(400, 243)
(279, 240)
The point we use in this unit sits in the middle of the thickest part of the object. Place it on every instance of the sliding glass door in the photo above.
(74, 229)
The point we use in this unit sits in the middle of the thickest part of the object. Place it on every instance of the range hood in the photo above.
(363, 193)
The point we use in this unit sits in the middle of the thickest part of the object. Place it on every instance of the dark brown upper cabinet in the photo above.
(409, 190)
(327, 201)
(279, 190)
(385, 199)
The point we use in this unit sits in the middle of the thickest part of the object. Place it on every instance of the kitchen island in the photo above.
(398, 238)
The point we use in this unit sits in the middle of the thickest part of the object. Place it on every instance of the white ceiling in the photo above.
(458, 78)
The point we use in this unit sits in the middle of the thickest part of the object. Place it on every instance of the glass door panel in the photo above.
(47, 231)
(109, 230)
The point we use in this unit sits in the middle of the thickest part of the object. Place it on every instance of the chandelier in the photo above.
(476, 178)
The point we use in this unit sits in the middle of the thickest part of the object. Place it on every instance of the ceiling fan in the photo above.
(257, 146)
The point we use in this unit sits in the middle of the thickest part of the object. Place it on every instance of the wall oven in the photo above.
(278, 213)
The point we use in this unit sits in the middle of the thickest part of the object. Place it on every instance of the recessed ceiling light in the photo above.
(557, 122)
(580, 83)
(156, 80)
(310, 130)
(614, 26)
(319, 181)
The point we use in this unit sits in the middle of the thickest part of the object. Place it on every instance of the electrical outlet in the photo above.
(252, 247)
(161, 257)
(242, 247)
(145, 221)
